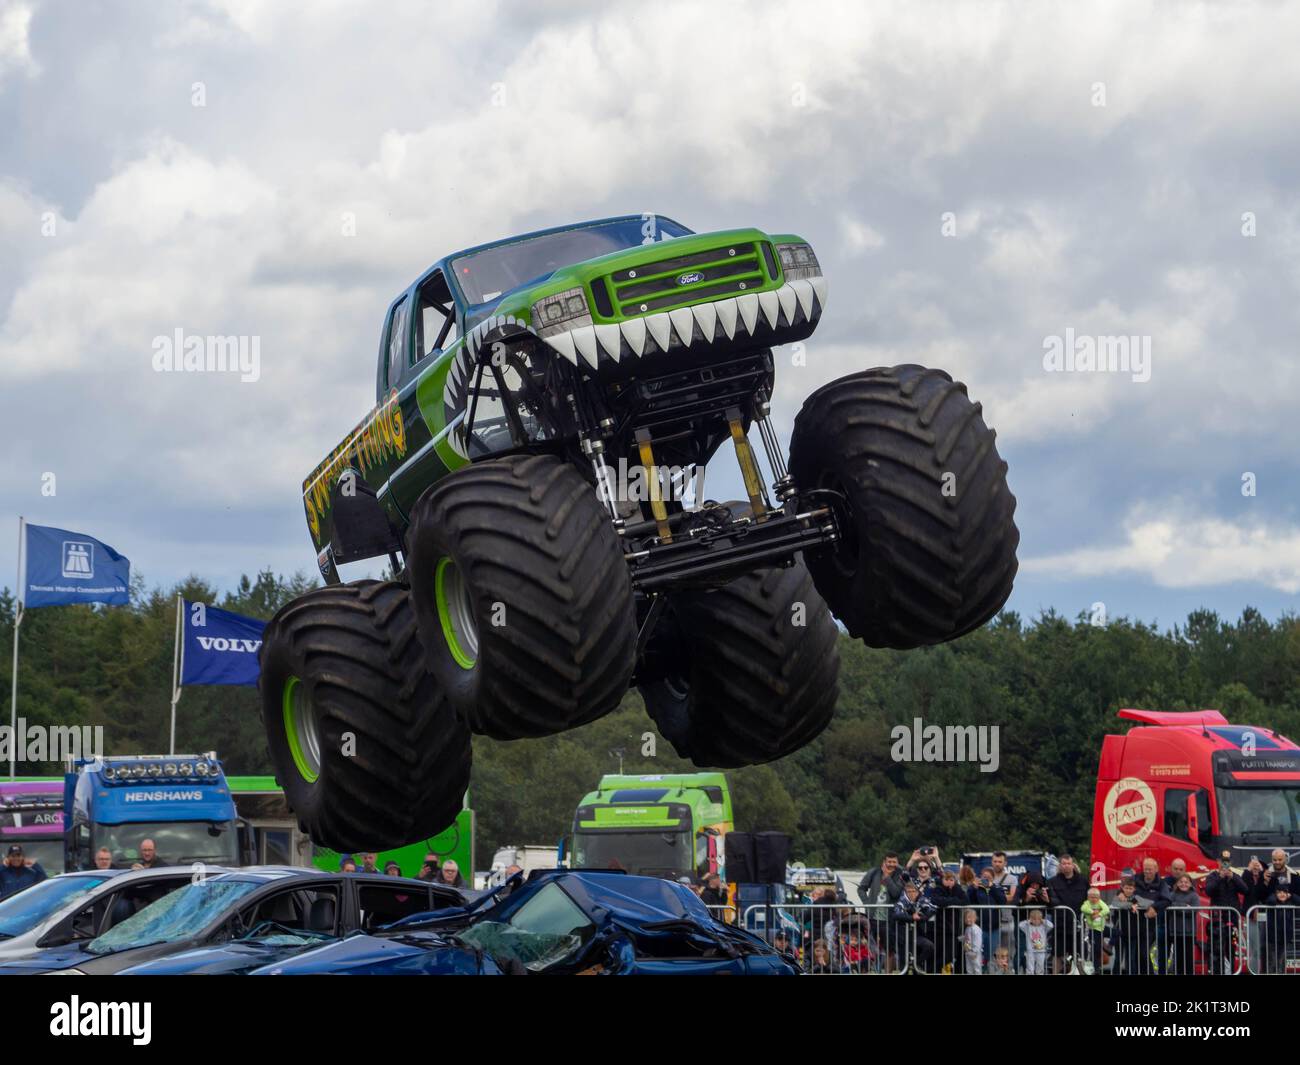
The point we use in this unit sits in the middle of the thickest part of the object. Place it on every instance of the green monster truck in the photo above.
(542, 404)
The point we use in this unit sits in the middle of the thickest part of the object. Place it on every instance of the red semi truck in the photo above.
(1191, 785)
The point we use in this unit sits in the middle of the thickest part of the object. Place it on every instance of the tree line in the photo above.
(1051, 686)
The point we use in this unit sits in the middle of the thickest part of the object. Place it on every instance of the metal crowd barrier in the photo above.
(1272, 944)
(1009, 940)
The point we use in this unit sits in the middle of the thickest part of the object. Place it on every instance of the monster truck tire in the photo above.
(346, 659)
(924, 557)
(753, 683)
(523, 596)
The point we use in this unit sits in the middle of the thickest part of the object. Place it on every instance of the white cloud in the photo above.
(1186, 552)
(15, 48)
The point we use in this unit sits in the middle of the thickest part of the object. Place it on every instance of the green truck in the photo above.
(277, 838)
(533, 471)
(667, 825)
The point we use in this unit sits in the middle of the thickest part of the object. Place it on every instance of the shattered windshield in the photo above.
(549, 928)
(176, 916)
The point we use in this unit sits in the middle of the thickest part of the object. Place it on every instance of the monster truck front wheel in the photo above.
(368, 750)
(928, 547)
(754, 669)
(523, 596)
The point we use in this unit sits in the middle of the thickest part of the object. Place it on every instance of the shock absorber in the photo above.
(749, 470)
(783, 486)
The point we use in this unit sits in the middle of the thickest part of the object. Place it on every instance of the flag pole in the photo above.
(13, 698)
(178, 663)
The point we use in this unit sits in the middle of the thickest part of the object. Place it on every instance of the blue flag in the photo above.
(67, 567)
(219, 647)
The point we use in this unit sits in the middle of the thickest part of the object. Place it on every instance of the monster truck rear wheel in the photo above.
(756, 674)
(929, 537)
(367, 748)
(523, 596)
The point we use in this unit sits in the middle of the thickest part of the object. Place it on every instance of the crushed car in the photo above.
(558, 922)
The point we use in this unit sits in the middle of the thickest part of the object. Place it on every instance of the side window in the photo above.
(382, 904)
(397, 342)
(305, 909)
(1203, 813)
(435, 323)
(1176, 812)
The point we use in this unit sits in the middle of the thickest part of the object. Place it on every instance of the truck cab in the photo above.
(31, 815)
(658, 825)
(1191, 785)
(180, 802)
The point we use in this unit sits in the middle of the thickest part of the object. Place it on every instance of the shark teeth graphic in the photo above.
(563, 343)
(771, 308)
(584, 339)
(804, 293)
(785, 295)
(634, 333)
(608, 336)
(660, 328)
(726, 310)
(748, 307)
(684, 322)
(819, 287)
(705, 317)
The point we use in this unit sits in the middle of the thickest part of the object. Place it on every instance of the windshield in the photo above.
(547, 929)
(485, 275)
(1272, 811)
(175, 842)
(645, 853)
(181, 914)
(22, 912)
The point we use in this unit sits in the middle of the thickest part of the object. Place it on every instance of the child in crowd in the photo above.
(972, 939)
(1036, 931)
(1095, 912)
(1000, 963)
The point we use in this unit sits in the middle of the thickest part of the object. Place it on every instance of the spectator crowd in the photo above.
(943, 920)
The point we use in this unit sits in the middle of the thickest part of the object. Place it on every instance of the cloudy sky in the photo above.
(976, 179)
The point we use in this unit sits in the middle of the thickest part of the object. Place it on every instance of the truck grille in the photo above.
(712, 274)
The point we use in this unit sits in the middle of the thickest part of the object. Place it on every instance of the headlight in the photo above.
(186, 769)
(798, 261)
(155, 770)
(110, 773)
(564, 310)
(170, 769)
(202, 769)
(138, 771)
(62, 972)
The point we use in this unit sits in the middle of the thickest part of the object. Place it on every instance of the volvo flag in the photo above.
(219, 647)
(67, 567)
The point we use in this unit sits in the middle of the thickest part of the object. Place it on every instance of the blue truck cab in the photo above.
(179, 803)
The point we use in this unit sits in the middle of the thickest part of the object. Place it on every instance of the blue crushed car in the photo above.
(557, 922)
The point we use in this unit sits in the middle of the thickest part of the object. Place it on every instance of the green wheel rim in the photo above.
(301, 729)
(456, 613)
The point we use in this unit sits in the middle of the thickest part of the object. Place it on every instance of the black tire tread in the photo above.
(530, 533)
(931, 567)
(356, 648)
(759, 686)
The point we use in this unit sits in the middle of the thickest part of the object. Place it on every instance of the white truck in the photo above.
(527, 858)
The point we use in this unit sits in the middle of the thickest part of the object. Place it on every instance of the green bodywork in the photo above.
(401, 447)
